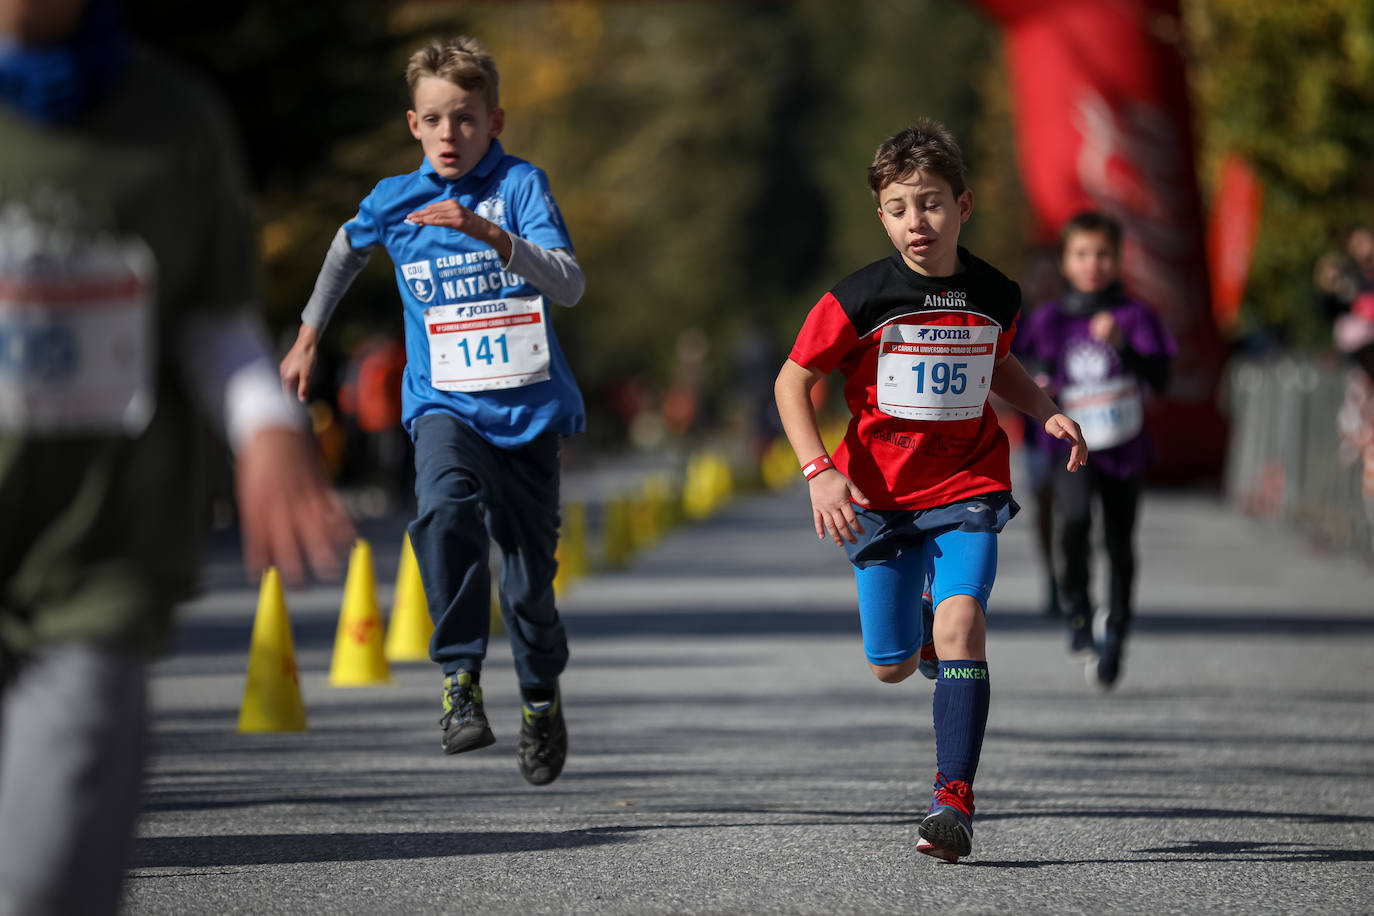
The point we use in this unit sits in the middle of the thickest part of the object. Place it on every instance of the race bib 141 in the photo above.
(481, 346)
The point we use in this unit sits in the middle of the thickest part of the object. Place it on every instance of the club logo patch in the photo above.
(494, 209)
(420, 278)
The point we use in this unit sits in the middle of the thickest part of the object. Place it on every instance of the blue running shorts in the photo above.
(947, 550)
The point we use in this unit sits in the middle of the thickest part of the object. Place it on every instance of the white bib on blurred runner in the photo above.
(935, 372)
(480, 346)
(76, 342)
(1109, 412)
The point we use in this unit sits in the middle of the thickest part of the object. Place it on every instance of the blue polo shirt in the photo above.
(440, 266)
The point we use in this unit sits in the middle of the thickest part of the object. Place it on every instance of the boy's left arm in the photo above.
(1013, 384)
(555, 271)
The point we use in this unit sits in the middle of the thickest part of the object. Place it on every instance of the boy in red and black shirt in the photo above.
(921, 485)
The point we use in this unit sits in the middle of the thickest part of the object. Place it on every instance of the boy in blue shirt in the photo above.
(480, 249)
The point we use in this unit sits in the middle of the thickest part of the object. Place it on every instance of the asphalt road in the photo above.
(731, 753)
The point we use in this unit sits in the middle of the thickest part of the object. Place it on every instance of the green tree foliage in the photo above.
(319, 97)
(710, 158)
(1289, 85)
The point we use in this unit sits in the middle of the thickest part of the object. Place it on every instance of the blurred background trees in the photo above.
(1289, 85)
(709, 157)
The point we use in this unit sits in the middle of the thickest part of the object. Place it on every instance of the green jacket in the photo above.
(101, 528)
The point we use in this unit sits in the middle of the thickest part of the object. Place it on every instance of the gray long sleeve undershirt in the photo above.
(553, 271)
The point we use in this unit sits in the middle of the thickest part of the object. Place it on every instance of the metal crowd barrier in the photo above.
(1288, 461)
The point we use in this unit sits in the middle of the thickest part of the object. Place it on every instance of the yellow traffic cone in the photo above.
(272, 690)
(617, 537)
(696, 489)
(359, 659)
(722, 481)
(671, 509)
(498, 621)
(572, 548)
(643, 521)
(779, 465)
(410, 627)
(574, 539)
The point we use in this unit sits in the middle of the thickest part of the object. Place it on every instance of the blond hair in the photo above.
(462, 61)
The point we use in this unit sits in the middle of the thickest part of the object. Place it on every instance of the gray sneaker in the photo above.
(543, 747)
(464, 720)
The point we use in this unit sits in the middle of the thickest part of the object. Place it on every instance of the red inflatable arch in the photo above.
(1103, 122)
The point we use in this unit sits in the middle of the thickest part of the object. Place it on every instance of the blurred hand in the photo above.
(1103, 327)
(299, 362)
(452, 214)
(288, 514)
(831, 506)
(1061, 427)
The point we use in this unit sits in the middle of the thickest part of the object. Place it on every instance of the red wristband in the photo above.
(816, 465)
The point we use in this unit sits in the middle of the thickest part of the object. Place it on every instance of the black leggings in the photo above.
(1073, 497)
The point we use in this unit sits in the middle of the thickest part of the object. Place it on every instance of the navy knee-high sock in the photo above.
(961, 716)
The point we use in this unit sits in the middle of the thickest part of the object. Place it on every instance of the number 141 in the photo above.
(484, 350)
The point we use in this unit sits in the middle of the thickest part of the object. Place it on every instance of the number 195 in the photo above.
(944, 377)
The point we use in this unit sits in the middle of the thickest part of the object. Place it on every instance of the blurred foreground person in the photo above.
(126, 279)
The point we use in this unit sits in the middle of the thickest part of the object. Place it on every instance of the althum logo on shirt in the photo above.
(952, 298)
(965, 674)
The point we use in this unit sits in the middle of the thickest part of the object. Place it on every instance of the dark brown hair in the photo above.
(1091, 221)
(926, 146)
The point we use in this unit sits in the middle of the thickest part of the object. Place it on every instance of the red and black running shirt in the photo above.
(921, 434)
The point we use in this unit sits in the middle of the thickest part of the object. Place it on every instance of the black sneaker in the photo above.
(464, 721)
(1080, 637)
(543, 744)
(1108, 667)
(1052, 606)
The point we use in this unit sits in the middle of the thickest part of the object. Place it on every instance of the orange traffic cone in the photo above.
(272, 690)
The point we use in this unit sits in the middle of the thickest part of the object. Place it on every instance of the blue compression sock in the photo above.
(961, 716)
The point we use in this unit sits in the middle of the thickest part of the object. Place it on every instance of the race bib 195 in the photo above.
(935, 372)
(480, 346)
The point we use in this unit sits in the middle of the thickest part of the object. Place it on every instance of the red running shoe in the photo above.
(947, 831)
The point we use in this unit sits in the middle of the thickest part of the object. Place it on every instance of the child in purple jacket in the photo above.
(1099, 348)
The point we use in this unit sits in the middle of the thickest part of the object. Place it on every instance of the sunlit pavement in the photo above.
(731, 753)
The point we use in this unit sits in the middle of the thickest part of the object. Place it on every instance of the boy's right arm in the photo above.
(832, 493)
(299, 362)
(341, 265)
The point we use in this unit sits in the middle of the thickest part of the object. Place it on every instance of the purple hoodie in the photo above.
(1093, 381)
